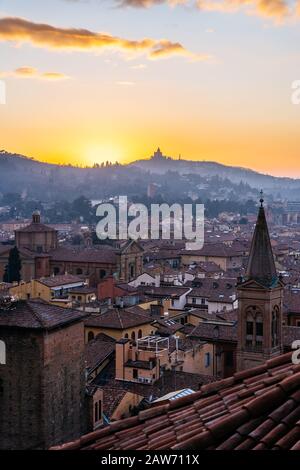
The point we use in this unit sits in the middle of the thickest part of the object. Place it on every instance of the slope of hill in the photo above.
(175, 178)
(160, 164)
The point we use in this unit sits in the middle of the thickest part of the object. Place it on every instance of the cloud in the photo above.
(265, 8)
(166, 48)
(150, 3)
(44, 35)
(31, 72)
(25, 72)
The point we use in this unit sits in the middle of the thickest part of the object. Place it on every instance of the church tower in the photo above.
(260, 296)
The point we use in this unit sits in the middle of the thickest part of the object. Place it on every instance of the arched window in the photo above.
(259, 331)
(91, 336)
(102, 273)
(254, 328)
(140, 334)
(133, 336)
(96, 412)
(2, 352)
(249, 328)
(274, 326)
(132, 271)
(79, 271)
(126, 335)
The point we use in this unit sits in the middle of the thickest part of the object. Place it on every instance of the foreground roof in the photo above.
(255, 409)
(37, 314)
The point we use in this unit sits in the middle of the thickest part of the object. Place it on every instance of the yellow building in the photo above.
(61, 290)
(133, 322)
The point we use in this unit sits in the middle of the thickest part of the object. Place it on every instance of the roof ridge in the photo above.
(120, 319)
(35, 315)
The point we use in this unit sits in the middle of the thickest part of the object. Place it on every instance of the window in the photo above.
(126, 335)
(133, 336)
(102, 273)
(131, 271)
(98, 411)
(90, 336)
(140, 334)
(135, 373)
(79, 271)
(55, 271)
(2, 352)
(207, 359)
(229, 358)
(194, 300)
(274, 327)
(254, 328)
(203, 301)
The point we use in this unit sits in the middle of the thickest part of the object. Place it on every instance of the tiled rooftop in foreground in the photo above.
(257, 408)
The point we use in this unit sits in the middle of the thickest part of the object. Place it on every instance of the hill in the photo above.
(174, 178)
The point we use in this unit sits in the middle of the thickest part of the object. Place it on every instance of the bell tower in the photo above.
(260, 296)
(36, 217)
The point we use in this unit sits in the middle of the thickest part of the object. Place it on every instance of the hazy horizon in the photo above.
(91, 81)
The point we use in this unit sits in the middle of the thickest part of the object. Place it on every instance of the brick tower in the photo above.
(260, 296)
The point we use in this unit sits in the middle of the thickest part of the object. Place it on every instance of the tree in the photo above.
(13, 269)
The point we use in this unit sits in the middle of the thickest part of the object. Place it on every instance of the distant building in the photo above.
(41, 256)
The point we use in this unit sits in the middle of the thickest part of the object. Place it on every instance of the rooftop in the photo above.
(119, 319)
(36, 314)
(255, 409)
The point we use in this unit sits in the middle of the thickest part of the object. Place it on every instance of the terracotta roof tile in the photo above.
(236, 413)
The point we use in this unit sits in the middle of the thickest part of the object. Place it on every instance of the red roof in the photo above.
(257, 408)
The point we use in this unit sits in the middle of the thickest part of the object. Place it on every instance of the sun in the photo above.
(102, 152)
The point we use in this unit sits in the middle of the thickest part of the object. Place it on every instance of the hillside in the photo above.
(174, 178)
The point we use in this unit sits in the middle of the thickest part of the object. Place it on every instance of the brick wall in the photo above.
(42, 387)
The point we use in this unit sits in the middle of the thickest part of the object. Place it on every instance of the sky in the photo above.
(94, 80)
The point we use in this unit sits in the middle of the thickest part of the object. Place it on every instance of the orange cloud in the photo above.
(44, 35)
(53, 76)
(31, 72)
(270, 8)
(166, 48)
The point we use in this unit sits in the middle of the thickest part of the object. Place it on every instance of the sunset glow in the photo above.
(87, 82)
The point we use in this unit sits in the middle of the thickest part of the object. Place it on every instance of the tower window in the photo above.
(2, 352)
(274, 327)
(254, 328)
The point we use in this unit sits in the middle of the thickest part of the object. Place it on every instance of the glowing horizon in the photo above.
(87, 83)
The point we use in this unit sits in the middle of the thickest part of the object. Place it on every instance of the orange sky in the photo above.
(208, 86)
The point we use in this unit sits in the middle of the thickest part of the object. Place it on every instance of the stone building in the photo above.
(41, 256)
(42, 375)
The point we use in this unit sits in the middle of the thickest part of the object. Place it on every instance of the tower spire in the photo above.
(261, 265)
